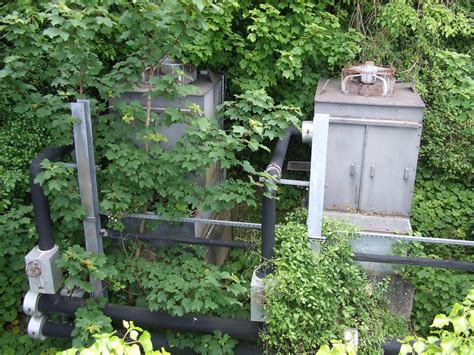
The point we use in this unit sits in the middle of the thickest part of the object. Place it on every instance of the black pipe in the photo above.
(403, 260)
(269, 202)
(406, 260)
(240, 329)
(39, 199)
(183, 240)
(159, 340)
(57, 330)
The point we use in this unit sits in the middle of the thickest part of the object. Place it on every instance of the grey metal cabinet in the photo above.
(373, 146)
(209, 93)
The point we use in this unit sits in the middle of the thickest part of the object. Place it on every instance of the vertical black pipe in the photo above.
(269, 202)
(39, 199)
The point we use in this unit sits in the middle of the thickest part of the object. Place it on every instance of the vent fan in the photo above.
(368, 79)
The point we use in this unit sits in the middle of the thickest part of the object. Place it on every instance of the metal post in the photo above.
(85, 160)
(317, 177)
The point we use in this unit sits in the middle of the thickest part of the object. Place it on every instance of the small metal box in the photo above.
(373, 148)
(44, 275)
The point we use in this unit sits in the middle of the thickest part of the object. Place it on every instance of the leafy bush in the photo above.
(17, 236)
(311, 299)
(435, 290)
(170, 279)
(134, 341)
(90, 322)
(80, 265)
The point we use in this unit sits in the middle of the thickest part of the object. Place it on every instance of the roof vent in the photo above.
(185, 73)
(368, 80)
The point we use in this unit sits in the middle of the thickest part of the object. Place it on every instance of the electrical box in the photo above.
(373, 146)
(372, 153)
(44, 276)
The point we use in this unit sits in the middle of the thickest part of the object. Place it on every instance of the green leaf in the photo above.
(440, 321)
(53, 32)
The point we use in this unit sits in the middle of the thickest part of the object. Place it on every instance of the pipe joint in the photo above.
(274, 170)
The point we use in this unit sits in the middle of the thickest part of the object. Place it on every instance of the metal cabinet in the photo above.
(209, 93)
(373, 145)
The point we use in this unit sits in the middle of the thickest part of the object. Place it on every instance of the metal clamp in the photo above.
(34, 327)
(30, 304)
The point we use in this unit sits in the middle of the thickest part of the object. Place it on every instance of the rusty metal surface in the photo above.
(299, 166)
(368, 79)
(403, 96)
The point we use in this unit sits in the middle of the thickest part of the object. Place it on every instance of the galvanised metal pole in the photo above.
(319, 147)
(86, 174)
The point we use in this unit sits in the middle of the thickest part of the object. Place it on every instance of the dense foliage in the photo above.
(134, 341)
(312, 299)
(273, 53)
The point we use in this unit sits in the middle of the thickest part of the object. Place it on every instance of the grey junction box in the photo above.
(373, 148)
(372, 154)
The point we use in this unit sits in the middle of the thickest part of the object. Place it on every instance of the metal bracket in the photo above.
(34, 327)
(30, 304)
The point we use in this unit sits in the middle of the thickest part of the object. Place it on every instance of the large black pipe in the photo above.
(159, 340)
(39, 199)
(407, 260)
(181, 240)
(274, 169)
(240, 329)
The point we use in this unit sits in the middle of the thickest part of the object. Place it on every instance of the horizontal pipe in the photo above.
(218, 222)
(38, 198)
(159, 340)
(407, 260)
(407, 238)
(183, 240)
(240, 329)
(64, 330)
(57, 330)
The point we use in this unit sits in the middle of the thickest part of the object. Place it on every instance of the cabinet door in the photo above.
(344, 164)
(389, 170)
